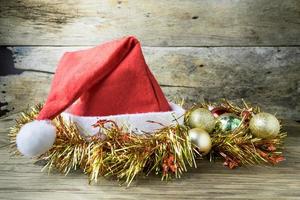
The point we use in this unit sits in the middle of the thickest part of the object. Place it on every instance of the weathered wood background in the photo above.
(198, 50)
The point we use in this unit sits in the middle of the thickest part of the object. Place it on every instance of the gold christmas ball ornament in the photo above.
(202, 118)
(228, 122)
(201, 139)
(264, 125)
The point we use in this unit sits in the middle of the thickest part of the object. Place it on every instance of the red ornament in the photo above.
(246, 114)
(218, 111)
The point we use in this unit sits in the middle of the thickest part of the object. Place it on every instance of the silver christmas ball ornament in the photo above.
(202, 118)
(201, 139)
(264, 125)
(228, 122)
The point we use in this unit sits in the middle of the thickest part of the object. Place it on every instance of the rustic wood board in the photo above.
(256, 56)
(156, 23)
(265, 76)
(21, 179)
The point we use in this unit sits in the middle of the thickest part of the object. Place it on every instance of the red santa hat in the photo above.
(110, 81)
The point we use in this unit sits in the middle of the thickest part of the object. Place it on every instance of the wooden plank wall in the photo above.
(197, 49)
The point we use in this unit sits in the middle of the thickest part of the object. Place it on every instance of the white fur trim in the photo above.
(36, 137)
(137, 122)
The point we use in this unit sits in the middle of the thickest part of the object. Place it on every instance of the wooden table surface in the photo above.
(20, 179)
(197, 50)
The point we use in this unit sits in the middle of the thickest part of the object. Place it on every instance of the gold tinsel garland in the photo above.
(123, 154)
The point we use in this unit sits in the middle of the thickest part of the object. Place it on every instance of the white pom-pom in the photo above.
(36, 137)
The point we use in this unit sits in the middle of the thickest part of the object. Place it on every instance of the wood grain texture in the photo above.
(175, 35)
(21, 179)
(265, 76)
(155, 23)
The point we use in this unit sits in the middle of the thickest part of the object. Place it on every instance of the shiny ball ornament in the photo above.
(202, 118)
(228, 122)
(201, 139)
(264, 125)
(218, 111)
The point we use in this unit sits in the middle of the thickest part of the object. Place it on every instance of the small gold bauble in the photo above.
(264, 125)
(201, 139)
(202, 118)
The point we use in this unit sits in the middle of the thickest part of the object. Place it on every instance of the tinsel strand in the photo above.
(118, 152)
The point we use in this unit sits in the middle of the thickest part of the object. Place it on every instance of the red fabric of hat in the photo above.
(110, 79)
